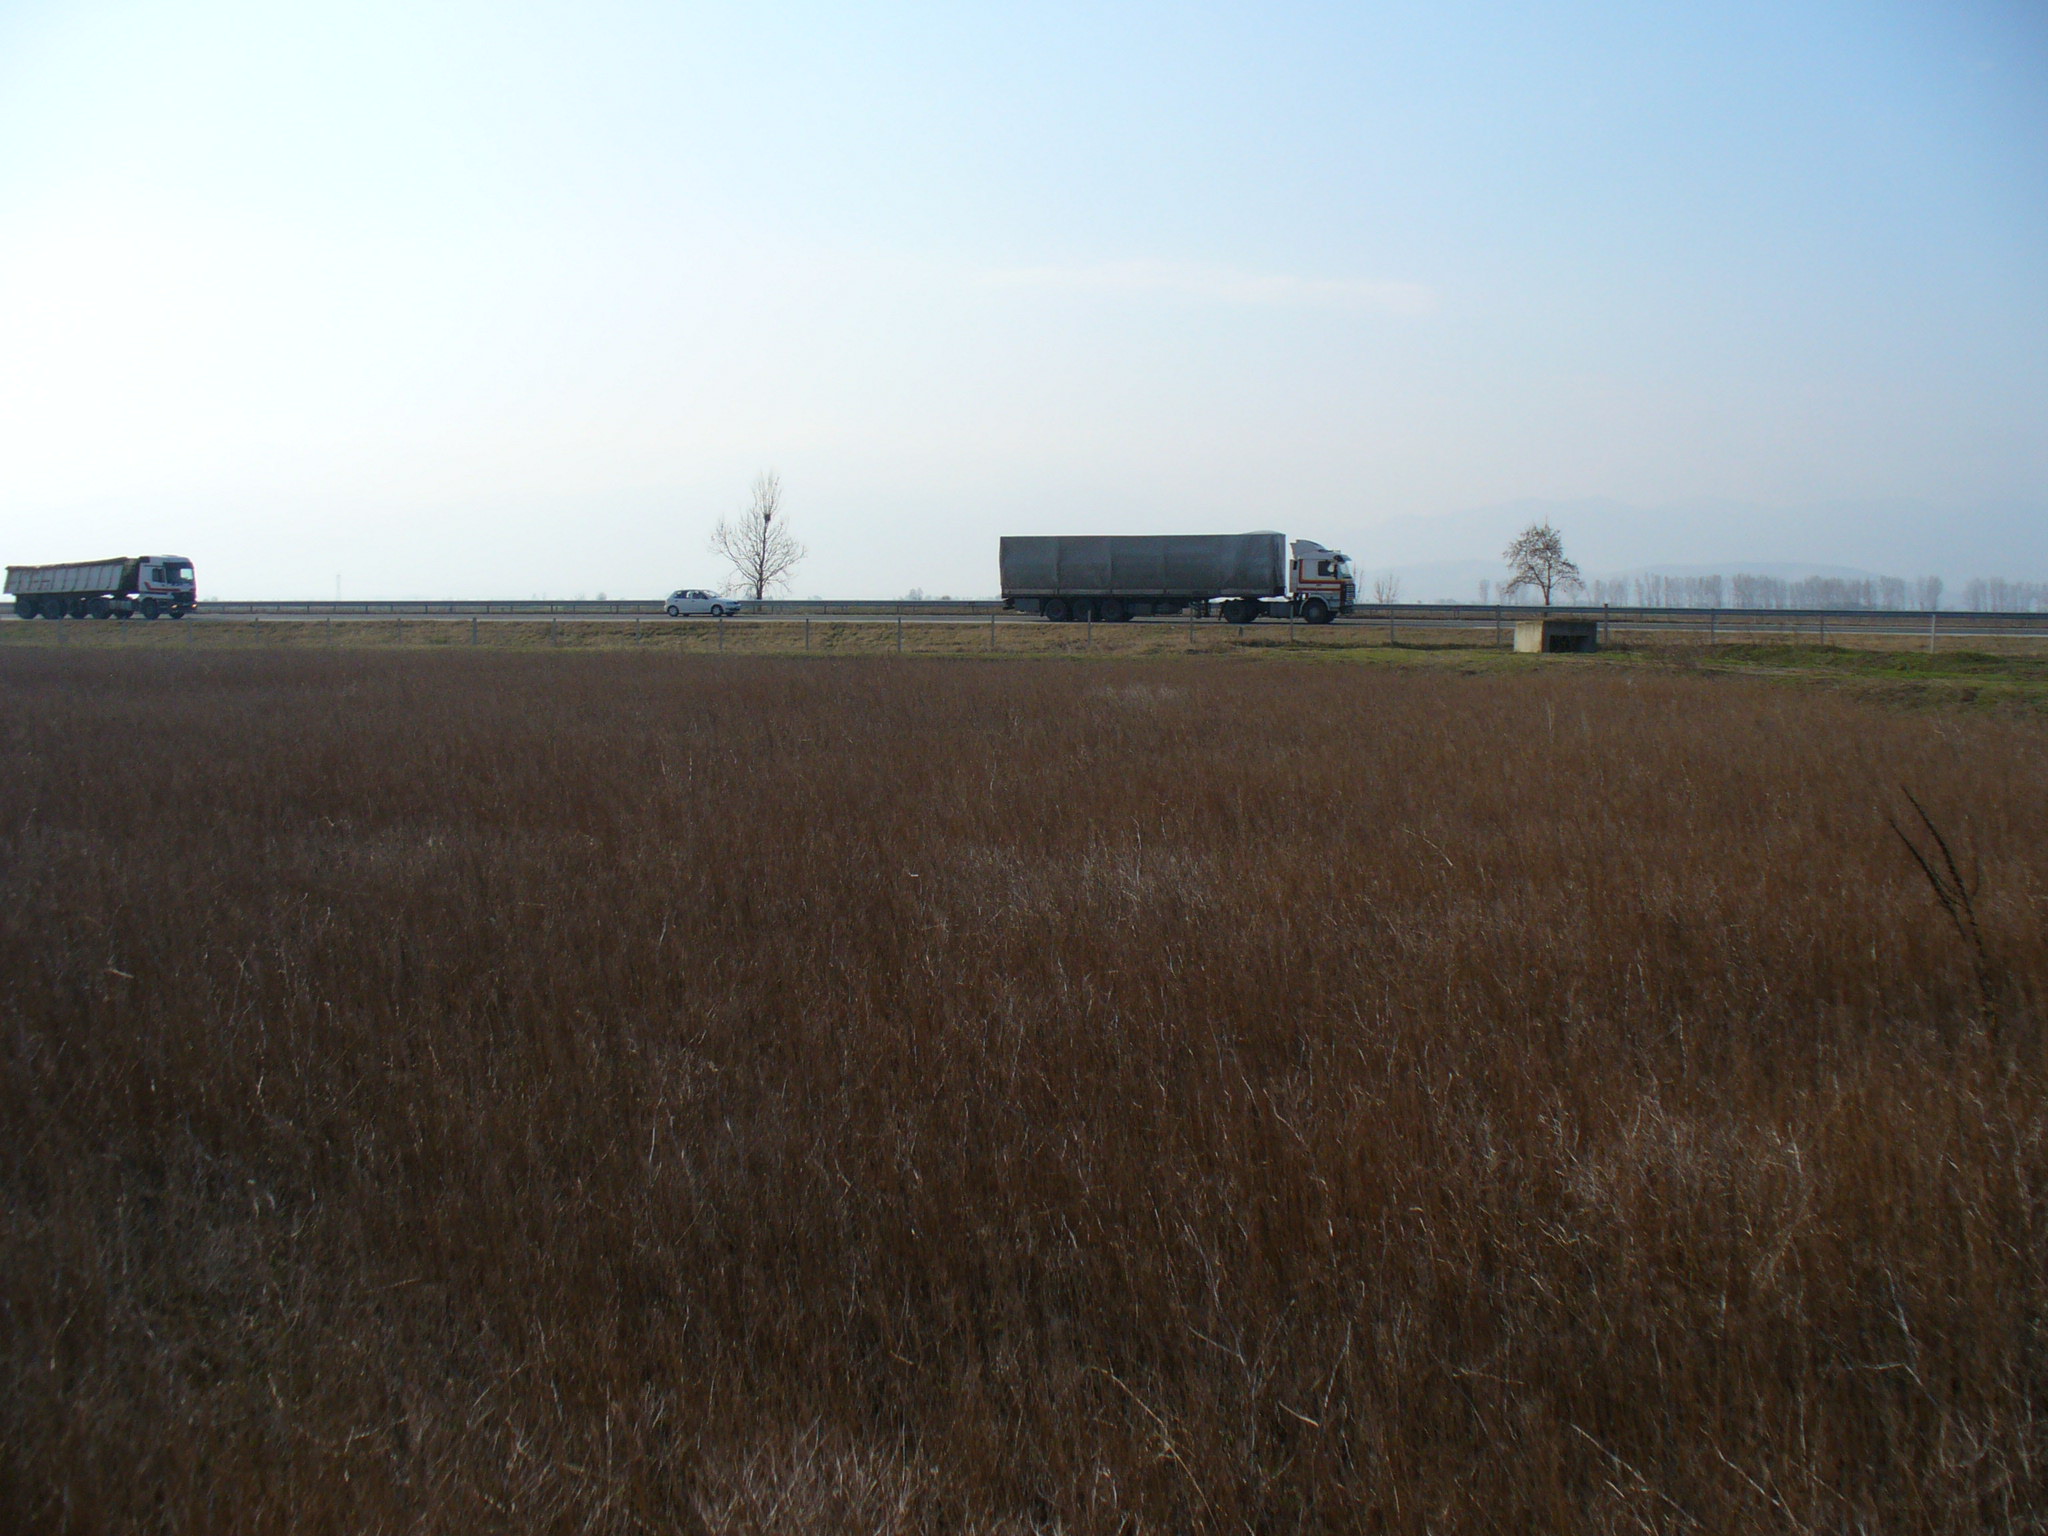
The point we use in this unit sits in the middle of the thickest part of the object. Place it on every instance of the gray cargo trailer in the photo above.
(1113, 577)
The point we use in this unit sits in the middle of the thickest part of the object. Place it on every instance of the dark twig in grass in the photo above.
(1958, 898)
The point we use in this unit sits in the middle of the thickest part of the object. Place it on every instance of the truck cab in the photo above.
(164, 584)
(1320, 581)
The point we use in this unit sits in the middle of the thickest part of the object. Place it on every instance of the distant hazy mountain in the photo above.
(1448, 556)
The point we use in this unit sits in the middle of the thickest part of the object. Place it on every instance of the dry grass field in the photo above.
(501, 1090)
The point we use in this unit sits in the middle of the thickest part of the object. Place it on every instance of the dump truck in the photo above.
(145, 586)
(1114, 577)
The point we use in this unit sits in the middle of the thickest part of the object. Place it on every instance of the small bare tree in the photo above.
(1536, 559)
(760, 550)
(1387, 589)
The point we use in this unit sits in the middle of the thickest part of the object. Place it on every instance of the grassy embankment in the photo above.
(456, 1091)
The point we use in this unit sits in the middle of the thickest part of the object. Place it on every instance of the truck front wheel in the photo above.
(1316, 611)
(149, 608)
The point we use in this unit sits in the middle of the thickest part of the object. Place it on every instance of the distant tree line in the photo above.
(1980, 595)
(1994, 594)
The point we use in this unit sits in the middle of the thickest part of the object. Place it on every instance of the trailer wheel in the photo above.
(1111, 610)
(99, 608)
(1316, 611)
(1056, 610)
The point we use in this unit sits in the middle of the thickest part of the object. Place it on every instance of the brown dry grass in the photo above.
(603, 1092)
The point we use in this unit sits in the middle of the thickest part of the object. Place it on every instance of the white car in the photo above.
(683, 603)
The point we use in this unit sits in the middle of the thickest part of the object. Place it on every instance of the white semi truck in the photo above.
(1114, 577)
(146, 586)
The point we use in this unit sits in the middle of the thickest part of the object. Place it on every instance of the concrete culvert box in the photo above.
(1574, 635)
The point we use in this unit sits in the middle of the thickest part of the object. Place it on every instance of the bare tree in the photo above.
(760, 551)
(1387, 589)
(1536, 559)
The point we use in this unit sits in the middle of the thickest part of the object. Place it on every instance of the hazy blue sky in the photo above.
(515, 297)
